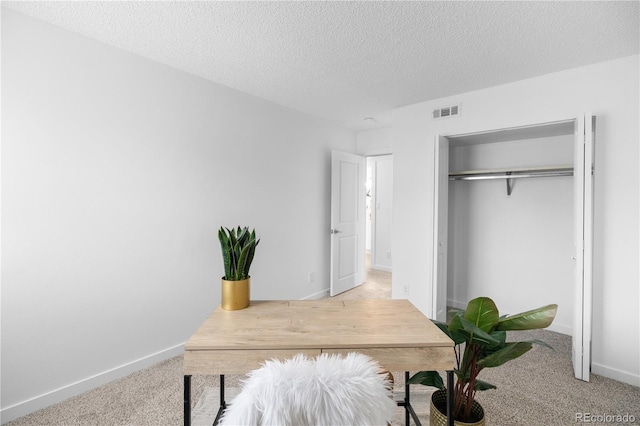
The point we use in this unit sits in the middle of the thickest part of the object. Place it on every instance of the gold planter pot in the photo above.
(437, 418)
(235, 294)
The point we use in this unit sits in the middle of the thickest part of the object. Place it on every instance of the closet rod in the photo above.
(507, 174)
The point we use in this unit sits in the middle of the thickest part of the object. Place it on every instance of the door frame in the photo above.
(584, 141)
(583, 289)
(440, 228)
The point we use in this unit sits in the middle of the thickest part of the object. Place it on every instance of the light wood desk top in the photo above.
(394, 332)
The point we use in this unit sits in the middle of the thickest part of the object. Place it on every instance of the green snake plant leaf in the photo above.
(245, 259)
(238, 250)
(252, 250)
(226, 252)
(234, 260)
(483, 313)
(427, 378)
(242, 233)
(509, 352)
(529, 320)
(242, 261)
(232, 236)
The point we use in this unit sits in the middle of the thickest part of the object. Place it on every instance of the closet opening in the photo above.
(512, 219)
(512, 242)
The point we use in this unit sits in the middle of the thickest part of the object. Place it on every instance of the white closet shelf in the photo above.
(513, 173)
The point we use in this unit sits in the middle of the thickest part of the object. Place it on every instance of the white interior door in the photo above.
(583, 219)
(348, 185)
(441, 223)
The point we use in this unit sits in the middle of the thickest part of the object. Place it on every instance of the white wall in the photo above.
(610, 91)
(375, 142)
(116, 175)
(515, 249)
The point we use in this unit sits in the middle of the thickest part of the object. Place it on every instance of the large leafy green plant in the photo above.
(484, 333)
(238, 248)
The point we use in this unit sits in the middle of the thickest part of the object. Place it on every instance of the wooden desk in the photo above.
(393, 332)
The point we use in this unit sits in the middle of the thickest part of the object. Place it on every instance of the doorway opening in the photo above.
(361, 220)
(378, 210)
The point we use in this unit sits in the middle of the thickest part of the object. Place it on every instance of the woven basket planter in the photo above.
(439, 404)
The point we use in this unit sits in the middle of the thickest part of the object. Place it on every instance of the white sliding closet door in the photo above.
(583, 220)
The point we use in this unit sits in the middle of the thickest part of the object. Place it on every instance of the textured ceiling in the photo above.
(344, 61)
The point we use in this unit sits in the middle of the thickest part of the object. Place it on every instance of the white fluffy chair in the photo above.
(329, 390)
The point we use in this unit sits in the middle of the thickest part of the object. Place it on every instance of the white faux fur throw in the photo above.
(329, 390)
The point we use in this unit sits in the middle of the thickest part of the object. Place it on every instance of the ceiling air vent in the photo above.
(446, 111)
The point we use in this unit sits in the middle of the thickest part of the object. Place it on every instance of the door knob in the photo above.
(335, 231)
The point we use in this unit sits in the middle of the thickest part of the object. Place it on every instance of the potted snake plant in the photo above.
(238, 248)
(479, 334)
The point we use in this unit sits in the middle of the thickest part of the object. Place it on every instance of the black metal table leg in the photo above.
(407, 398)
(187, 400)
(223, 404)
(409, 412)
(450, 398)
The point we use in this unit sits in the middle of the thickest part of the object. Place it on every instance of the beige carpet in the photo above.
(536, 389)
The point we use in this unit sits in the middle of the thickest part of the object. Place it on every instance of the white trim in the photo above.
(319, 295)
(615, 374)
(456, 305)
(382, 268)
(65, 392)
(561, 328)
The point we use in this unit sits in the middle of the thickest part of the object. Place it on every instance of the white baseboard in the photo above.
(615, 374)
(319, 295)
(58, 395)
(456, 305)
(382, 268)
(561, 328)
